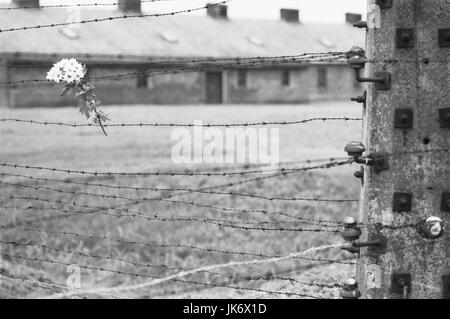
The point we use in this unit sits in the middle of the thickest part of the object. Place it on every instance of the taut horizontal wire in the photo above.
(130, 16)
(75, 5)
(332, 224)
(145, 265)
(175, 277)
(152, 61)
(281, 170)
(226, 125)
(33, 283)
(213, 221)
(75, 292)
(165, 245)
(332, 162)
(50, 286)
(254, 196)
(93, 256)
(150, 216)
(166, 199)
(328, 165)
(209, 221)
(175, 70)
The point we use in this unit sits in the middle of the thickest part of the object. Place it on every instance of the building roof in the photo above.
(179, 36)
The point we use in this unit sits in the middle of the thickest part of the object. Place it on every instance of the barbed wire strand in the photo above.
(145, 265)
(328, 165)
(112, 18)
(158, 189)
(33, 283)
(166, 198)
(324, 223)
(75, 5)
(55, 262)
(186, 273)
(269, 275)
(149, 173)
(281, 170)
(165, 245)
(129, 75)
(331, 164)
(221, 167)
(51, 286)
(207, 125)
(218, 222)
(141, 214)
(98, 209)
(152, 61)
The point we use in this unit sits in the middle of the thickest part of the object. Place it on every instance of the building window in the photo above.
(242, 78)
(322, 80)
(286, 78)
(142, 78)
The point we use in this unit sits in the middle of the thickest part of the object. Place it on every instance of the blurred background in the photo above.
(242, 61)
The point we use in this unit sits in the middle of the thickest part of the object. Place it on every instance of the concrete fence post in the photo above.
(408, 124)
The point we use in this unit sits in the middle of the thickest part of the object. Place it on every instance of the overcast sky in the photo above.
(326, 11)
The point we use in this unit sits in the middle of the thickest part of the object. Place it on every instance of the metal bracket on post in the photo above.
(376, 245)
(379, 160)
(361, 25)
(357, 61)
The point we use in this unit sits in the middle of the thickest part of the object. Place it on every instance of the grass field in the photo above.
(149, 149)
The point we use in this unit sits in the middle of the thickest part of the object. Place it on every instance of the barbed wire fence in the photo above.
(29, 235)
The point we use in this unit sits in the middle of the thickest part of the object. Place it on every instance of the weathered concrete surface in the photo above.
(424, 87)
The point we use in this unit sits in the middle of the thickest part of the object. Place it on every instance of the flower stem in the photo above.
(100, 122)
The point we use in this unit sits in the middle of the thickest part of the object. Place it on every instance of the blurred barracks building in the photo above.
(134, 45)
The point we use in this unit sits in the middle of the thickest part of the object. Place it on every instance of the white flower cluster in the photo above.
(67, 70)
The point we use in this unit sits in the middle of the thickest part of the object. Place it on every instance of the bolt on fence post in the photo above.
(419, 83)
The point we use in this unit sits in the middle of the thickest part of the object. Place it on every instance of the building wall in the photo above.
(35, 94)
(265, 86)
(262, 86)
(341, 84)
(182, 88)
